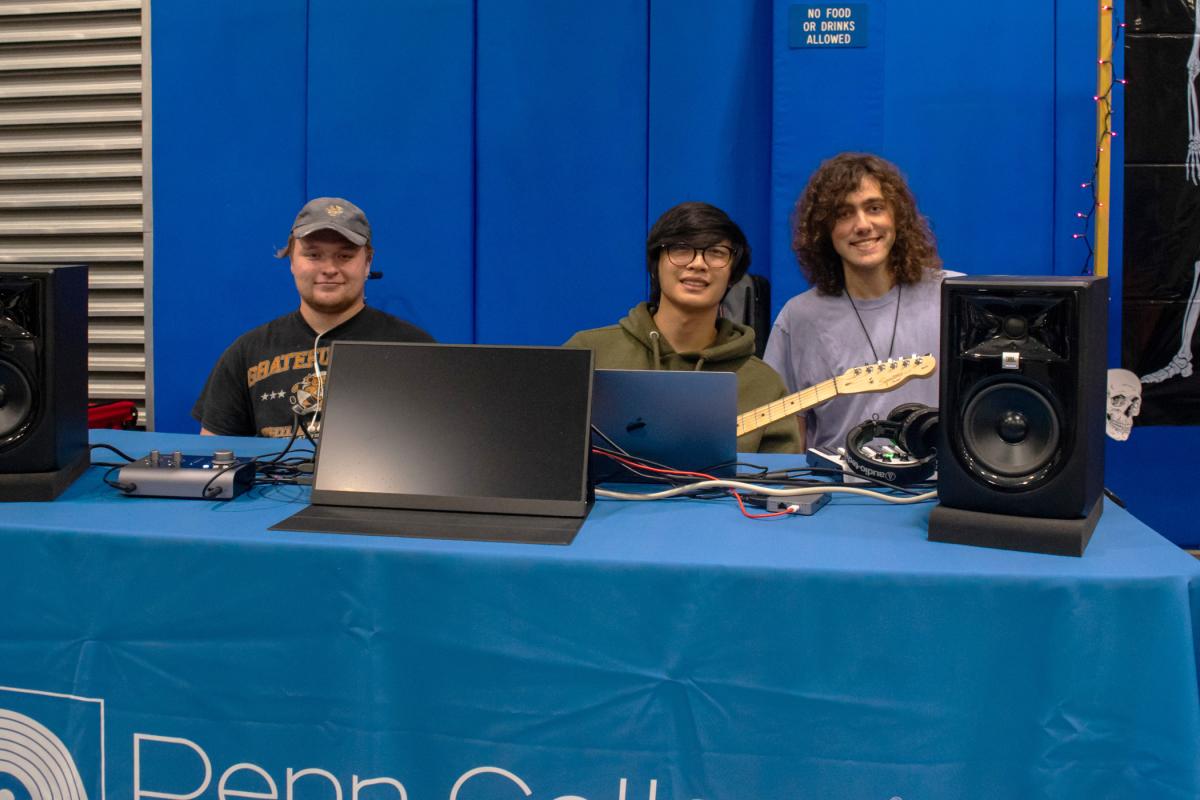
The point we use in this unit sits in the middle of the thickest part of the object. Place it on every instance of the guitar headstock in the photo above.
(883, 376)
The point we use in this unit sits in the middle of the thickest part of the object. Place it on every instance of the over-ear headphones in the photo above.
(912, 429)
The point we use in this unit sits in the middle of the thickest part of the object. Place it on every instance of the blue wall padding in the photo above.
(1153, 473)
(560, 167)
(972, 120)
(709, 119)
(390, 127)
(228, 168)
(824, 102)
(962, 100)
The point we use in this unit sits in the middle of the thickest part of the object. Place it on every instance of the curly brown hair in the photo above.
(915, 249)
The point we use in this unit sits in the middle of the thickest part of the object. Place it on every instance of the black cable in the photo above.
(121, 487)
(758, 468)
(216, 490)
(1111, 495)
(296, 428)
(618, 450)
(125, 456)
(764, 474)
(656, 477)
(672, 480)
(785, 476)
(611, 443)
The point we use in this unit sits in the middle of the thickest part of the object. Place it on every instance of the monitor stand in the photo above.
(468, 526)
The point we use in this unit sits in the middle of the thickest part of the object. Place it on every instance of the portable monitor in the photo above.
(453, 441)
(684, 420)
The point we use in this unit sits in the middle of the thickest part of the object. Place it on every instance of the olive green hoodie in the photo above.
(635, 343)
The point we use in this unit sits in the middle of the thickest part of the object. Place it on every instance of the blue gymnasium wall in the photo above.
(511, 156)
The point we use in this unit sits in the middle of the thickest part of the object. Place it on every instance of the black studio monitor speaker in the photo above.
(43, 380)
(1021, 438)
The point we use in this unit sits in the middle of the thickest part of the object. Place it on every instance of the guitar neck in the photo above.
(786, 406)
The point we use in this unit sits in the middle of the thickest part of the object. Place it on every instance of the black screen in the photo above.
(456, 428)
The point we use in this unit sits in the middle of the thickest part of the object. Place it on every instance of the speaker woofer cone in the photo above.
(1010, 433)
(16, 401)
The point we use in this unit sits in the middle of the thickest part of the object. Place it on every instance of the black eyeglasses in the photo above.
(717, 256)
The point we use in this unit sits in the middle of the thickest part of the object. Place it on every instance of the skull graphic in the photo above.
(1124, 402)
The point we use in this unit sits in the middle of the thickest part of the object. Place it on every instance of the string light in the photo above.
(1106, 133)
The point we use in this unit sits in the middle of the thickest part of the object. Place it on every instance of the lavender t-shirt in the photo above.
(817, 337)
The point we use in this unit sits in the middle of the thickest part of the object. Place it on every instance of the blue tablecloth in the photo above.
(178, 648)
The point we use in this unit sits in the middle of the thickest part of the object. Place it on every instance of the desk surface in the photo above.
(839, 655)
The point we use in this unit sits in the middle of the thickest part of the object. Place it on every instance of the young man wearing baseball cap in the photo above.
(273, 375)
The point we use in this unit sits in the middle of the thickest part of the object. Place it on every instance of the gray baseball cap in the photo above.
(334, 214)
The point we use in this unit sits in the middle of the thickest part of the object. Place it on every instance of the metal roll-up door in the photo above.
(71, 168)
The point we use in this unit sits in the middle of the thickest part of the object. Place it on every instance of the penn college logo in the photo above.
(51, 746)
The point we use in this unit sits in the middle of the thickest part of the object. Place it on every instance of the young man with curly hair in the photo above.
(876, 291)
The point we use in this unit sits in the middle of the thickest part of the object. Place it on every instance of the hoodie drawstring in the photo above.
(654, 349)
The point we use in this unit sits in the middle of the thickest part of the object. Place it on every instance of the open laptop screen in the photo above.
(465, 428)
(683, 419)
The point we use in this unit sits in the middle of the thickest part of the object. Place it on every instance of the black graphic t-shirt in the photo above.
(268, 374)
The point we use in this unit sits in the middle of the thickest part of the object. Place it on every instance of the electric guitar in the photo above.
(882, 376)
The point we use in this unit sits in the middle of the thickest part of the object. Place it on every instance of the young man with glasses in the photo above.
(694, 253)
(876, 294)
(274, 374)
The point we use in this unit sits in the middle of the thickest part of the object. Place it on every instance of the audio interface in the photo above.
(220, 476)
